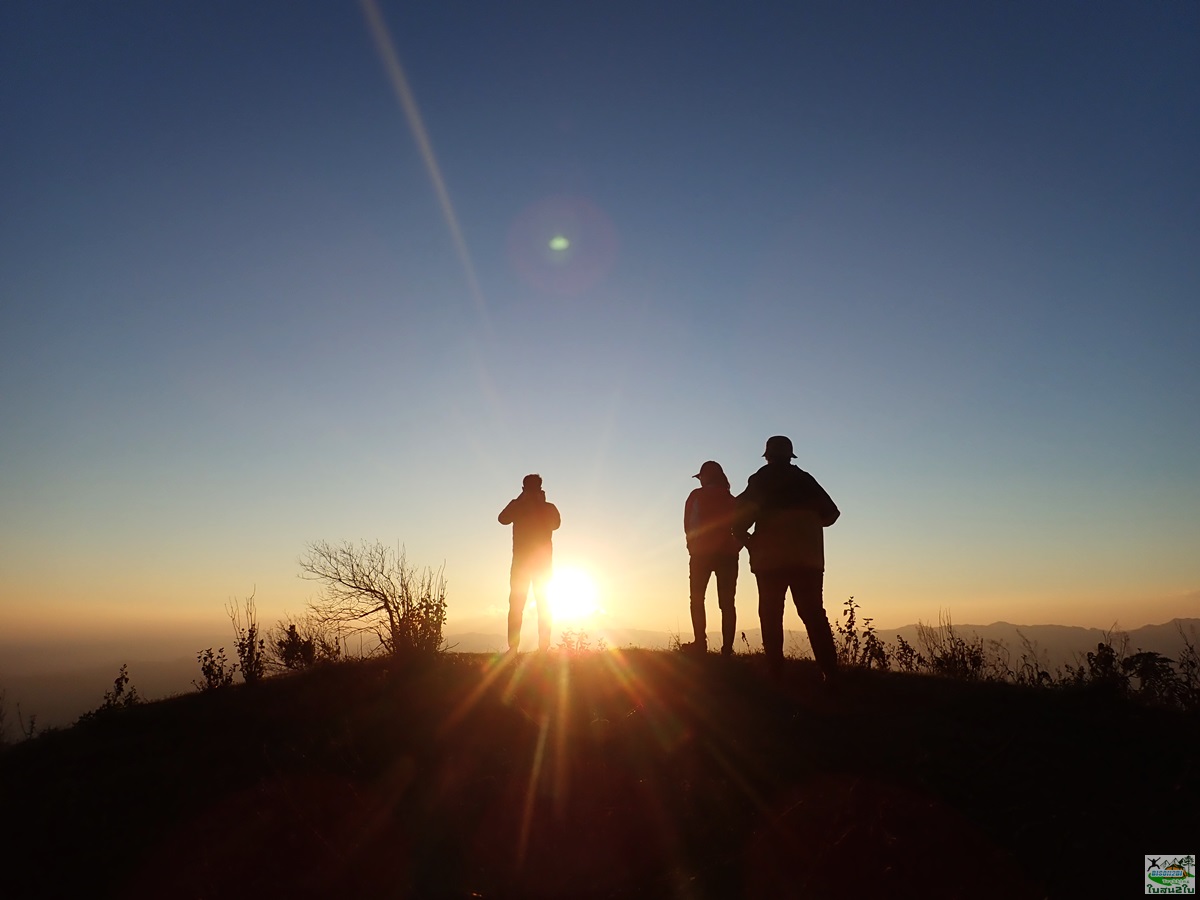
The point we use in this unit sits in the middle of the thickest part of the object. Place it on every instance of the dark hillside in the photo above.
(632, 774)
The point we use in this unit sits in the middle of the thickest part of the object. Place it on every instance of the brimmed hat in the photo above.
(779, 447)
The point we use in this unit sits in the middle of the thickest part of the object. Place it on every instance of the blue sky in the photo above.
(953, 251)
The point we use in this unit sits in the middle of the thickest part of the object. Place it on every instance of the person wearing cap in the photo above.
(533, 522)
(789, 511)
(712, 549)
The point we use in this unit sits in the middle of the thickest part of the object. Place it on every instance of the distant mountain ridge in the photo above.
(1058, 645)
(1054, 645)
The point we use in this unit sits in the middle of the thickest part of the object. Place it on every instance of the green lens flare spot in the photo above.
(559, 243)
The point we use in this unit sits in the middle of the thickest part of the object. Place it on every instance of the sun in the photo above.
(573, 594)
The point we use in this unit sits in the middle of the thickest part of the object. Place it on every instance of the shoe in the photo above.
(694, 647)
(727, 651)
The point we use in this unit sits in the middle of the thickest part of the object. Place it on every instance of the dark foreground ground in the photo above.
(632, 774)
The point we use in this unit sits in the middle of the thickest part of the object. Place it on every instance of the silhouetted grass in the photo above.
(617, 774)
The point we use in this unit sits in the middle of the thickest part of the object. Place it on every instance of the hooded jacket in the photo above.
(788, 510)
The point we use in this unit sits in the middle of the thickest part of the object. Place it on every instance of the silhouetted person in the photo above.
(533, 521)
(788, 510)
(712, 549)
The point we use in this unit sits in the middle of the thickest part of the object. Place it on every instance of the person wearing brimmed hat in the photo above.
(789, 511)
(712, 549)
(533, 522)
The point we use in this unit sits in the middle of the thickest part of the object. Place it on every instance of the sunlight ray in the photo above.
(729, 757)
(492, 670)
(535, 773)
(408, 103)
(561, 768)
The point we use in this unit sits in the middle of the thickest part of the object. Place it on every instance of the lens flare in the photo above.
(562, 245)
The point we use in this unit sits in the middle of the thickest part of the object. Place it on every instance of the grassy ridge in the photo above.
(631, 774)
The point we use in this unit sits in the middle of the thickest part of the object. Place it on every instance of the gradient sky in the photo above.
(951, 249)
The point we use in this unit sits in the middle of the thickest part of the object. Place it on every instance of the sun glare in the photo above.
(573, 594)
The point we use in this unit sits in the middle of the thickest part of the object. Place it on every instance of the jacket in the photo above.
(708, 522)
(788, 510)
(533, 521)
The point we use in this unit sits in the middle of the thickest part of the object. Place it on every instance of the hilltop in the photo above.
(32, 677)
(620, 774)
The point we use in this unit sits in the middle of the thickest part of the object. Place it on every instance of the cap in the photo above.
(711, 469)
(779, 447)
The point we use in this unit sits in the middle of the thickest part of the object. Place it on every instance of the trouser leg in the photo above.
(518, 587)
(699, 571)
(727, 574)
(772, 588)
(515, 617)
(807, 592)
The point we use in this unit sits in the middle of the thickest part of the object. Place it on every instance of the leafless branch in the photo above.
(371, 589)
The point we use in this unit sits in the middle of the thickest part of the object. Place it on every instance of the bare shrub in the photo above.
(251, 647)
(371, 589)
(1188, 665)
(1034, 669)
(28, 727)
(303, 642)
(1028, 671)
(949, 653)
